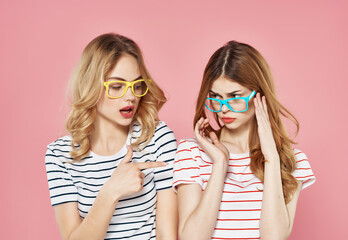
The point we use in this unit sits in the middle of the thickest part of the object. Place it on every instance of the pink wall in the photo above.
(305, 43)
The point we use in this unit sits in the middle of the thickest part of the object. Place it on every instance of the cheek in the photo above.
(106, 104)
(251, 110)
(137, 102)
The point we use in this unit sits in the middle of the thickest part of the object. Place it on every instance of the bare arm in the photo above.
(95, 224)
(166, 215)
(276, 217)
(125, 180)
(195, 205)
(197, 209)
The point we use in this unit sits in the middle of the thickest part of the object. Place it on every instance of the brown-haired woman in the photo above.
(244, 180)
(99, 187)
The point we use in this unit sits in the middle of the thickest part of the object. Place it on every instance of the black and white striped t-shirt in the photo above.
(134, 216)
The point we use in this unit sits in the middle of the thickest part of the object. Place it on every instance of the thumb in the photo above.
(128, 155)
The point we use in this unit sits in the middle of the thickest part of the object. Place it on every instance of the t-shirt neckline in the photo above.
(239, 155)
(122, 151)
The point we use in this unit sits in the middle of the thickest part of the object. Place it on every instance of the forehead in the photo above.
(126, 67)
(225, 85)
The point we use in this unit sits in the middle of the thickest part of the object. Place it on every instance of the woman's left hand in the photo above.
(268, 145)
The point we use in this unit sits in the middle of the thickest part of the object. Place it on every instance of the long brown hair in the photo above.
(242, 63)
(98, 59)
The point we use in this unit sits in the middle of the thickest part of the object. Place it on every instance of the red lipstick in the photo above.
(127, 112)
(227, 119)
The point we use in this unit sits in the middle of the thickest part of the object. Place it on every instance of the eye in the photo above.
(138, 86)
(116, 86)
(213, 95)
(236, 95)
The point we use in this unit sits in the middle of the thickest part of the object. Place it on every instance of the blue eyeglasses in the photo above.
(239, 104)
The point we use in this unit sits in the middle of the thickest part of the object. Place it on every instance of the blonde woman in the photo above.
(111, 177)
(242, 180)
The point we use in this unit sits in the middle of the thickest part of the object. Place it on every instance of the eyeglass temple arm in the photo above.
(251, 95)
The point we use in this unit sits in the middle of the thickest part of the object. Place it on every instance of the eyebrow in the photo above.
(228, 94)
(122, 79)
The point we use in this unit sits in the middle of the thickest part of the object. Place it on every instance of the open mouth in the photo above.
(127, 112)
(127, 109)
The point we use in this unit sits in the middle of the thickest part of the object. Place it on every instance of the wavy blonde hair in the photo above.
(98, 59)
(245, 65)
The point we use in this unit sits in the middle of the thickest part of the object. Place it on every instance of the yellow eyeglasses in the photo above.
(116, 89)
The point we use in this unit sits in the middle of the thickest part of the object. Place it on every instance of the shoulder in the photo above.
(303, 171)
(60, 148)
(163, 133)
(300, 157)
(160, 128)
(189, 146)
(186, 169)
(299, 154)
(162, 125)
(60, 143)
(188, 143)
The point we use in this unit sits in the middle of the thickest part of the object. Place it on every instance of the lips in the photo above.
(227, 119)
(127, 112)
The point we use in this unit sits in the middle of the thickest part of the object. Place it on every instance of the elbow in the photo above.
(167, 235)
(273, 231)
(273, 237)
(192, 236)
(273, 234)
(183, 236)
(187, 233)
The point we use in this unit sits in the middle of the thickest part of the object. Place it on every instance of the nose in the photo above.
(129, 96)
(224, 108)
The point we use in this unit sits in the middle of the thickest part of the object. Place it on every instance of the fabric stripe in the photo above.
(80, 181)
(241, 203)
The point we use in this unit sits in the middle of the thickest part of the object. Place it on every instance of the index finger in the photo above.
(146, 165)
(198, 126)
(128, 155)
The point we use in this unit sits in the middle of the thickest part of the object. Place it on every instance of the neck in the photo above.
(236, 140)
(107, 138)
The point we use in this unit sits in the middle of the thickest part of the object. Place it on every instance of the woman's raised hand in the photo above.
(214, 148)
(268, 145)
(128, 178)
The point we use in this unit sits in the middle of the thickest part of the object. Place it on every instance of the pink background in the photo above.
(305, 43)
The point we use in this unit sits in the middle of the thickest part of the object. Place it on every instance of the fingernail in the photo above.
(164, 163)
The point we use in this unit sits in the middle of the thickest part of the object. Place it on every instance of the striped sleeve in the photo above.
(60, 183)
(165, 150)
(186, 168)
(303, 170)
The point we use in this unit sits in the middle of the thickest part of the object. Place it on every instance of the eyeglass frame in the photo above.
(225, 102)
(128, 84)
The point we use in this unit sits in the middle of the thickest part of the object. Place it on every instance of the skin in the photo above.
(110, 135)
(276, 217)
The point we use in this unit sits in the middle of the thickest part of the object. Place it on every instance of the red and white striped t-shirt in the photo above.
(240, 208)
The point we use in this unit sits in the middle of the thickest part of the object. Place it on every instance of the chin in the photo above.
(238, 125)
(234, 125)
(125, 122)
(231, 126)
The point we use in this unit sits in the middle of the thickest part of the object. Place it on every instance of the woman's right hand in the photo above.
(128, 178)
(214, 148)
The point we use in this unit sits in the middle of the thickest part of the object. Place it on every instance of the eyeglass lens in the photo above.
(117, 89)
(236, 104)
